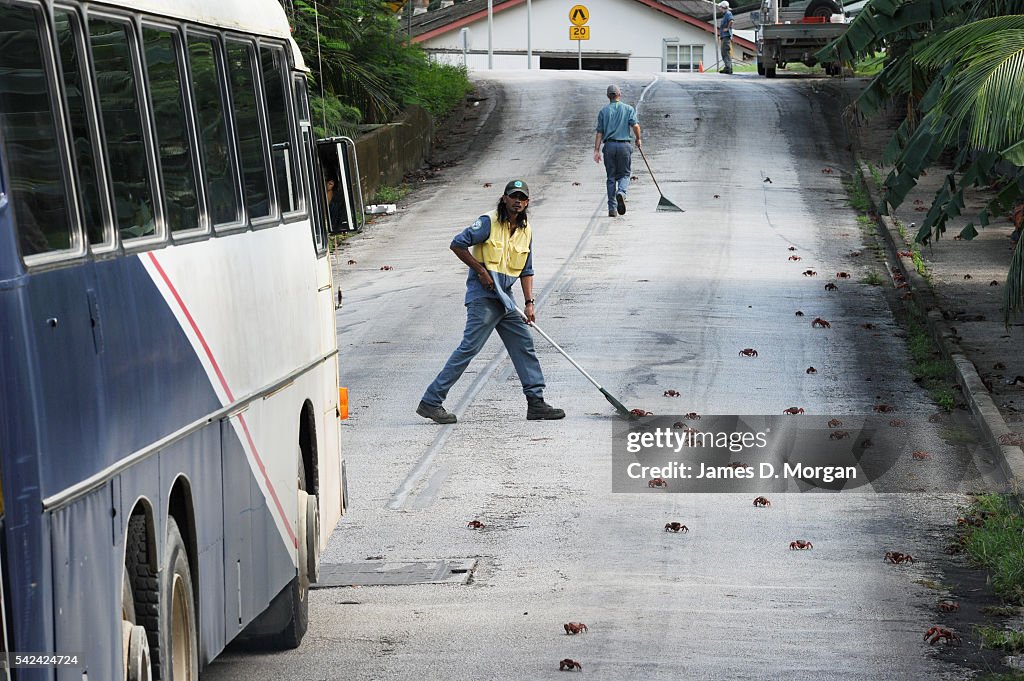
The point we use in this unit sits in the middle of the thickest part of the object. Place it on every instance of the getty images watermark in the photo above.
(798, 453)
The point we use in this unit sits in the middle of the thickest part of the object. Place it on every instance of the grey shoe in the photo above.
(539, 410)
(612, 214)
(436, 414)
(620, 203)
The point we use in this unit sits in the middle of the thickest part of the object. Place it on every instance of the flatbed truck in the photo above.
(787, 34)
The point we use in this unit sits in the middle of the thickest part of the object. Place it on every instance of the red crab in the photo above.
(693, 416)
(793, 411)
(799, 313)
(812, 370)
(868, 325)
(792, 248)
(800, 545)
(574, 627)
(839, 435)
(820, 323)
(351, 262)
(967, 276)
(883, 408)
(948, 606)
(657, 482)
(921, 456)
(794, 258)
(671, 393)
(487, 184)
(676, 527)
(386, 268)
(936, 634)
(827, 171)
(897, 558)
(855, 254)
(748, 352)
(993, 283)
(842, 275)
(640, 412)
(568, 664)
(897, 423)
(575, 184)
(831, 287)
(810, 273)
(476, 525)
(834, 423)
(905, 254)
(761, 502)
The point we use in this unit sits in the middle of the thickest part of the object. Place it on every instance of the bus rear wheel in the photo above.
(135, 658)
(178, 598)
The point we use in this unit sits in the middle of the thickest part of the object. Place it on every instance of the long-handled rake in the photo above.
(619, 407)
(663, 203)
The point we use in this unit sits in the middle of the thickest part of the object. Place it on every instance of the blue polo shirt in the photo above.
(724, 32)
(477, 233)
(615, 120)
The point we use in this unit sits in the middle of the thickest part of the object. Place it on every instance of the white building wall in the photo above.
(618, 29)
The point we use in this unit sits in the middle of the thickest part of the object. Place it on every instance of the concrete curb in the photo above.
(986, 414)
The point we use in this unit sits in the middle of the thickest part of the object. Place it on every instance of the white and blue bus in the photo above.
(170, 461)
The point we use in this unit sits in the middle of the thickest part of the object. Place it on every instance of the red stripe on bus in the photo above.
(227, 390)
(273, 494)
(195, 327)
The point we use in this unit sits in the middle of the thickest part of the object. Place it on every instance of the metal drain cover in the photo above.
(391, 573)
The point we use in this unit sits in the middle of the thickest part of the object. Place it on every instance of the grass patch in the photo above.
(958, 436)
(873, 279)
(389, 194)
(1007, 676)
(934, 372)
(870, 66)
(991, 637)
(876, 176)
(1001, 610)
(998, 545)
(859, 199)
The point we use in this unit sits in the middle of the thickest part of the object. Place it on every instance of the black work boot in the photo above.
(539, 410)
(436, 414)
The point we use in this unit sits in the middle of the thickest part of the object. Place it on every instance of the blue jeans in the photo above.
(483, 315)
(618, 164)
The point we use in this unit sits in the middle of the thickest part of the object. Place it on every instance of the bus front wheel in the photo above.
(179, 617)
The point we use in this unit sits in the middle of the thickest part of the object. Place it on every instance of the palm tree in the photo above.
(958, 65)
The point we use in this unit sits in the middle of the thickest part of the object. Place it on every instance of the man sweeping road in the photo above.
(502, 243)
(614, 123)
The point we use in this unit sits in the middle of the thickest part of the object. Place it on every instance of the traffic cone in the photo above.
(700, 66)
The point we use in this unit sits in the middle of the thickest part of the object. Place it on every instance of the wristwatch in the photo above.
(531, 301)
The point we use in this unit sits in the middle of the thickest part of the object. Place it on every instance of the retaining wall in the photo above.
(387, 153)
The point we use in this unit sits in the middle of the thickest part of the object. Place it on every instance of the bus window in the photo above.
(29, 131)
(247, 123)
(181, 204)
(221, 187)
(69, 29)
(282, 150)
(120, 111)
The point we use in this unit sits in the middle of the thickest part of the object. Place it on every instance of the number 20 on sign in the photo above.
(579, 33)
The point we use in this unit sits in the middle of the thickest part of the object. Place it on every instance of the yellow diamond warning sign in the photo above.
(579, 15)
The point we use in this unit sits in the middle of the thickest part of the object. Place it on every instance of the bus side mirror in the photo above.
(340, 169)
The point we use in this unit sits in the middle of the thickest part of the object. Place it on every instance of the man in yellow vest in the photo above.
(502, 244)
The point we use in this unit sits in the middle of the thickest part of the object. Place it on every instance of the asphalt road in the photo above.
(648, 302)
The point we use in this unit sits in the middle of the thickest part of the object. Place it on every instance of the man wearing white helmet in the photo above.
(725, 35)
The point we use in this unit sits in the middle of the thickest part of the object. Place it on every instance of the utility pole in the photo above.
(490, 34)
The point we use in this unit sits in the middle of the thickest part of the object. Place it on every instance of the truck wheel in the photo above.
(181, 659)
(769, 72)
(822, 8)
(760, 68)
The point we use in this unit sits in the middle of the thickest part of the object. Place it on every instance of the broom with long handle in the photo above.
(619, 407)
(663, 203)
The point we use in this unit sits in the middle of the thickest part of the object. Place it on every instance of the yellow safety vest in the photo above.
(504, 252)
